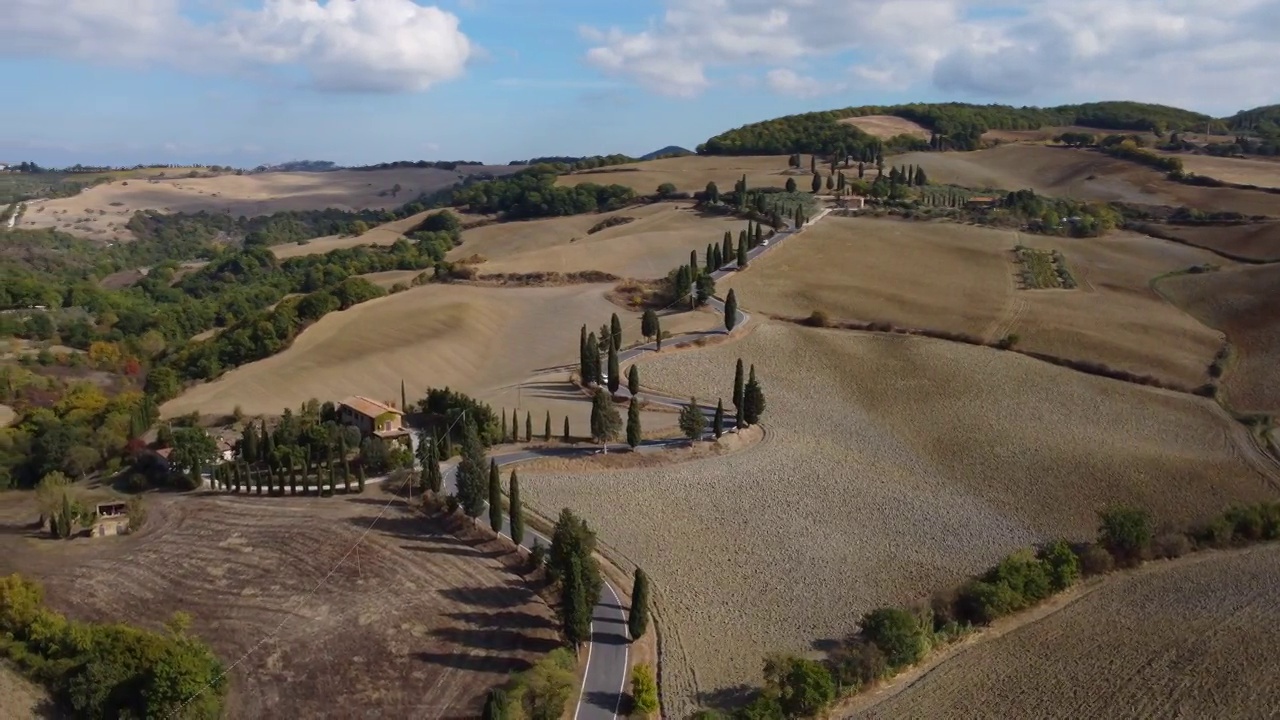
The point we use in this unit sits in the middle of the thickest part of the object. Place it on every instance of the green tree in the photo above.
(404, 399)
(738, 384)
(615, 379)
(712, 193)
(584, 365)
(804, 688)
(791, 185)
(817, 183)
(644, 691)
(657, 332)
(504, 436)
(592, 369)
(495, 497)
(605, 421)
(471, 471)
(572, 538)
(546, 428)
(753, 400)
(742, 253)
(717, 424)
(638, 617)
(516, 510)
(360, 479)
(710, 265)
(633, 380)
(898, 634)
(921, 179)
(528, 426)
(249, 450)
(759, 235)
(575, 608)
(615, 328)
(706, 289)
(633, 423)
(726, 248)
(648, 324)
(566, 428)
(692, 422)
(495, 705)
(831, 183)
(1126, 532)
(432, 478)
(730, 311)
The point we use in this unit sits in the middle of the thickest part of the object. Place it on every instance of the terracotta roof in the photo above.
(369, 408)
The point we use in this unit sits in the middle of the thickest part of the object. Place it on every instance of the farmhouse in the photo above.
(110, 519)
(375, 418)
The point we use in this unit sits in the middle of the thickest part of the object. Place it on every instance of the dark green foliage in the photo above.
(433, 478)
(495, 705)
(515, 510)
(1126, 532)
(638, 616)
(717, 424)
(566, 428)
(692, 422)
(752, 400)
(648, 324)
(898, 634)
(730, 311)
(592, 370)
(633, 380)
(575, 608)
(615, 329)
(528, 426)
(546, 428)
(615, 379)
(605, 421)
(633, 423)
(572, 546)
(856, 663)
(534, 193)
(706, 289)
(584, 362)
(742, 252)
(739, 383)
(726, 248)
(1061, 563)
(803, 688)
(471, 471)
(495, 497)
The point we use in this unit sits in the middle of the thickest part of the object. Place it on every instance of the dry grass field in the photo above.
(658, 240)
(961, 278)
(1195, 638)
(689, 173)
(892, 466)
(384, 234)
(491, 343)
(418, 624)
(1245, 171)
(1255, 241)
(1079, 174)
(1240, 302)
(21, 699)
(102, 211)
(887, 126)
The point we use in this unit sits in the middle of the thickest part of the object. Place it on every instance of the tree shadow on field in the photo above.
(504, 619)
(497, 640)
(728, 698)
(499, 597)
(499, 665)
(606, 701)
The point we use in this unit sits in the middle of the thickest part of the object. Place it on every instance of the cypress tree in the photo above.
(693, 265)
(638, 617)
(657, 331)
(249, 444)
(711, 260)
(633, 424)
(648, 321)
(817, 182)
(448, 446)
(495, 497)
(742, 237)
(615, 329)
(528, 426)
(759, 234)
(831, 183)
(738, 381)
(495, 705)
(404, 399)
(633, 380)
(583, 365)
(791, 185)
(574, 608)
(737, 418)
(730, 311)
(360, 479)
(592, 374)
(742, 253)
(605, 422)
(614, 370)
(566, 428)
(516, 510)
(546, 430)
(726, 248)
(813, 163)
(751, 234)
(434, 478)
(717, 261)
(503, 436)
(717, 424)
(753, 400)
(471, 468)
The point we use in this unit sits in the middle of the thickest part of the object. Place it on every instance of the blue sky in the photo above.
(360, 81)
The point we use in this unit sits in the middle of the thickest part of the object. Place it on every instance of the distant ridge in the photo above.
(667, 151)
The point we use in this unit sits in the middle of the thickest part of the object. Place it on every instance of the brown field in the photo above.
(961, 278)
(1047, 134)
(1245, 171)
(892, 466)
(887, 126)
(1194, 638)
(1256, 241)
(384, 234)
(418, 624)
(658, 240)
(689, 173)
(492, 343)
(1081, 175)
(93, 214)
(1240, 302)
(21, 699)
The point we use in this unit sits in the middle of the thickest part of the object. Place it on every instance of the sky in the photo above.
(246, 82)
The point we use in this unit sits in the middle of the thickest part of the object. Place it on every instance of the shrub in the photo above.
(1025, 575)
(1126, 533)
(1061, 563)
(1007, 341)
(610, 222)
(1171, 545)
(1095, 560)
(897, 633)
(1217, 532)
(803, 688)
(1246, 522)
(981, 602)
(818, 319)
(857, 663)
(944, 605)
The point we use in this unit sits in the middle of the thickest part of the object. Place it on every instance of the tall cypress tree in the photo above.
(575, 609)
(566, 428)
(753, 400)
(516, 510)
(657, 331)
(359, 479)
(638, 617)
(726, 248)
(759, 234)
(495, 705)
(592, 374)
(633, 380)
(730, 311)
(583, 365)
(546, 431)
(717, 424)
(528, 426)
(471, 471)
(742, 254)
(751, 234)
(435, 479)
(693, 265)
(633, 424)
(495, 497)
(738, 382)
(249, 449)
(404, 399)
(711, 259)
(615, 329)
(614, 371)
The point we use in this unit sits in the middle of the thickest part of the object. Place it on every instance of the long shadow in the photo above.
(500, 665)
(728, 698)
(606, 700)
(498, 597)
(497, 639)
(504, 619)
(459, 551)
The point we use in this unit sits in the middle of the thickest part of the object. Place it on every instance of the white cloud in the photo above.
(785, 81)
(1220, 54)
(346, 45)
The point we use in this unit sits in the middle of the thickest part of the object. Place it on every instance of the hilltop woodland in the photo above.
(959, 126)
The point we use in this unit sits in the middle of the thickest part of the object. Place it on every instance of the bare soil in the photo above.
(1187, 639)
(416, 623)
(963, 279)
(646, 458)
(1244, 171)
(1241, 302)
(21, 699)
(1254, 241)
(891, 466)
(887, 126)
(1081, 175)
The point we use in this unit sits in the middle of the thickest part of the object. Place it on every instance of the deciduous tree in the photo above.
(644, 691)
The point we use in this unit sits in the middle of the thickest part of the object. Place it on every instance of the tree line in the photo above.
(533, 192)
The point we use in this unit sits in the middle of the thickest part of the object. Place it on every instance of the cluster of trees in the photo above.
(110, 670)
(954, 126)
(420, 164)
(533, 193)
(1127, 149)
(572, 567)
(891, 639)
(568, 163)
(1054, 216)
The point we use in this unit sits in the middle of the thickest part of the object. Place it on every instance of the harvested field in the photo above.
(940, 457)
(1081, 175)
(492, 343)
(102, 211)
(419, 624)
(21, 699)
(1256, 241)
(887, 126)
(384, 234)
(1186, 639)
(689, 173)
(1243, 171)
(1240, 302)
(1047, 134)
(658, 240)
(963, 279)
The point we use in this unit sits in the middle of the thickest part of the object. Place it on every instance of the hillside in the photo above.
(666, 152)
(957, 126)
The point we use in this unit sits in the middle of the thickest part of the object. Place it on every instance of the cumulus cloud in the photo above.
(341, 45)
(785, 81)
(1190, 52)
